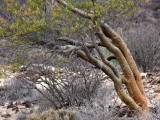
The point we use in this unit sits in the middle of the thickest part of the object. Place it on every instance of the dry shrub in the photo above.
(64, 87)
(14, 89)
(102, 112)
(51, 114)
(143, 42)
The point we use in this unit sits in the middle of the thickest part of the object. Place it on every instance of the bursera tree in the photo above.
(84, 25)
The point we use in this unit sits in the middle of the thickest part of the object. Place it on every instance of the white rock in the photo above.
(143, 75)
(157, 89)
(5, 114)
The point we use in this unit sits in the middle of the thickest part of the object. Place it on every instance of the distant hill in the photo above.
(150, 12)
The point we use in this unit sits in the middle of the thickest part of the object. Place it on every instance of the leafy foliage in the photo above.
(33, 16)
(30, 18)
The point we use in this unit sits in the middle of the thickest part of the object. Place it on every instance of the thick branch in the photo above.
(97, 62)
(73, 47)
(82, 55)
(70, 48)
(73, 42)
(104, 67)
(69, 40)
(111, 57)
(126, 98)
(118, 41)
(104, 60)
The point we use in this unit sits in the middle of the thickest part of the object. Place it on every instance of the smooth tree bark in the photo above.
(135, 97)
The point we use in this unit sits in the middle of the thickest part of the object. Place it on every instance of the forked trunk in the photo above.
(134, 83)
(136, 99)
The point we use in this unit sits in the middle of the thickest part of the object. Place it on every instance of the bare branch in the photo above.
(70, 48)
(110, 57)
(104, 60)
(69, 40)
(82, 55)
(93, 1)
(105, 68)
(5, 16)
(73, 42)
(76, 10)
(99, 43)
(96, 61)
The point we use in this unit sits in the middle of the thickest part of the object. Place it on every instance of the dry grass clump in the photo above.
(61, 114)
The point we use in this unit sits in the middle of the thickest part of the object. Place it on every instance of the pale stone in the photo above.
(157, 89)
(5, 115)
(143, 75)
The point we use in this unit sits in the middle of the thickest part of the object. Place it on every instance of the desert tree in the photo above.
(84, 26)
(106, 37)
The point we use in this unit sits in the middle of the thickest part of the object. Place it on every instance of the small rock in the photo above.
(158, 81)
(153, 109)
(153, 82)
(117, 107)
(144, 83)
(24, 110)
(151, 91)
(8, 110)
(149, 74)
(27, 104)
(148, 81)
(16, 103)
(35, 102)
(1, 104)
(31, 111)
(22, 101)
(130, 113)
(10, 106)
(21, 107)
(109, 108)
(5, 115)
(143, 75)
(153, 86)
(14, 108)
(146, 90)
(123, 111)
(157, 89)
(17, 110)
(23, 69)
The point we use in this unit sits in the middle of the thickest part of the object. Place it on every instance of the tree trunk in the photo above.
(134, 82)
(136, 99)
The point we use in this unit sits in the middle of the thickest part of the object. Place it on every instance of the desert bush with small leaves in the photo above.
(51, 114)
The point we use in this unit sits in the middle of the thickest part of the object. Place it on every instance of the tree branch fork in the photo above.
(108, 38)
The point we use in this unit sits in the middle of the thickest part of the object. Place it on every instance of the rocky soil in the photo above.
(11, 109)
